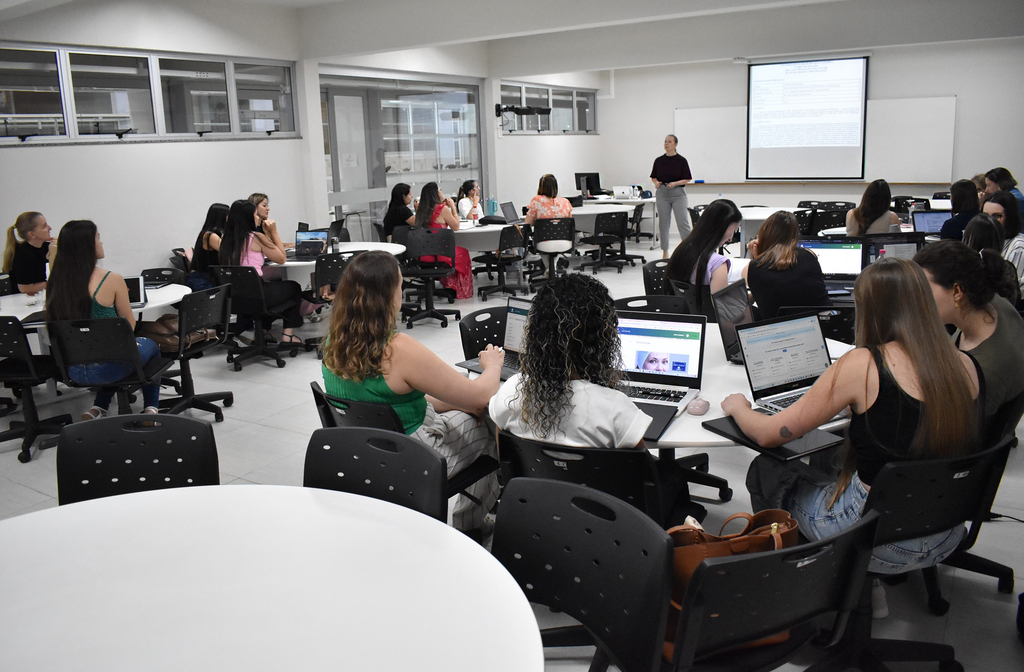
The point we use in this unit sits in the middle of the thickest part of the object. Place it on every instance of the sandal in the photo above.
(291, 339)
(268, 337)
(94, 413)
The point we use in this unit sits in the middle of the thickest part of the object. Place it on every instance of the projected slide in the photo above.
(805, 120)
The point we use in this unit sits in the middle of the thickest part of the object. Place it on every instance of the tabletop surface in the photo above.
(22, 305)
(254, 577)
(592, 209)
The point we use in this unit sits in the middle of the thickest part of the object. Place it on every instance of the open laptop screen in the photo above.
(783, 353)
(929, 221)
(837, 257)
(310, 242)
(732, 308)
(508, 211)
(515, 323)
(898, 245)
(662, 348)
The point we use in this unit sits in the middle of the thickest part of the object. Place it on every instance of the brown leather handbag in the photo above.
(164, 332)
(768, 530)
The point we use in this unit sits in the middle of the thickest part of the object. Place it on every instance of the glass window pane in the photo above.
(195, 96)
(112, 94)
(561, 110)
(325, 117)
(264, 98)
(586, 107)
(29, 93)
(511, 94)
(537, 98)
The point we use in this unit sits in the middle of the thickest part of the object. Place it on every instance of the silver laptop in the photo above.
(136, 291)
(841, 259)
(516, 314)
(662, 356)
(929, 221)
(622, 192)
(732, 308)
(509, 212)
(783, 357)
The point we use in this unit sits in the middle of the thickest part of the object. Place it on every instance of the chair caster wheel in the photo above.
(219, 417)
(620, 270)
(1006, 585)
(281, 363)
(24, 457)
(230, 358)
(293, 353)
(938, 606)
(451, 299)
(483, 297)
(238, 366)
(444, 324)
(725, 494)
(408, 325)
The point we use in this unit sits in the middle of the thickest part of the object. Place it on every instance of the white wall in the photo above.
(465, 60)
(149, 198)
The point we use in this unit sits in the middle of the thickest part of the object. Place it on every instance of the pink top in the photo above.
(250, 258)
(542, 207)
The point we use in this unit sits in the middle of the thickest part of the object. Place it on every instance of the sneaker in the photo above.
(879, 607)
(94, 412)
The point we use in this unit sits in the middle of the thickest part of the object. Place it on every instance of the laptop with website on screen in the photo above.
(662, 357)
(929, 221)
(516, 313)
(732, 308)
(841, 259)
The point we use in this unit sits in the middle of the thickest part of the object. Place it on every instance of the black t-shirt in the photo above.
(802, 284)
(29, 265)
(671, 169)
(398, 218)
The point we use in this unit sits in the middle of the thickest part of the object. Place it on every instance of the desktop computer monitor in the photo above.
(593, 184)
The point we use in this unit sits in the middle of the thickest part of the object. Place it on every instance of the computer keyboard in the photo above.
(511, 361)
(786, 402)
(654, 393)
(835, 286)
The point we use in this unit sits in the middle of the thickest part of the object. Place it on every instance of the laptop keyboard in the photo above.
(839, 285)
(656, 394)
(786, 402)
(511, 361)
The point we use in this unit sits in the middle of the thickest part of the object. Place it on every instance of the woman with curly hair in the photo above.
(571, 359)
(365, 359)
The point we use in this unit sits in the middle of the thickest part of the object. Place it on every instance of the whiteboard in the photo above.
(906, 140)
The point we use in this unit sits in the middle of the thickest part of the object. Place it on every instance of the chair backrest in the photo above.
(335, 412)
(1004, 422)
(95, 341)
(655, 277)
(421, 242)
(6, 285)
(637, 216)
(343, 236)
(329, 269)
(808, 204)
(302, 227)
(482, 327)
(837, 205)
(829, 219)
(554, 229)
(205, 309)
(381, 236)
(179, 260)
(246, 288)
(941, 195)
(805, 220)
(134, 453)
(732, 601)
(380, 464)
(175, 275)
(628, 475)
(611, 223)
(838, 322)
(923, 497)
(511, 237)
(14, 345)
(698, 300)
(904, 203)
(335, 229)
(592, 557)
(652, 303)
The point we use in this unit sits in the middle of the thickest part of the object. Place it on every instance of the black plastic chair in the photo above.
(635, 222)
(248, 302)
(805, 221)
(429, 242)
(915, 499)
(941, 195)
(836, 205)
(336, 228)
(656, 277)
(652, 303)
(905, 203)
(134, 453)
(172, 275)
(378, 463)
(809, 204)
(698, 299)
(327, 272)
(511, 238)
(179, 260)
(206, 309)
(593, 557)
(109, 339)
(6, 285)
(22, 370)
(829, 219)
(837, 322)
(482, 328)
(552, 237)
(379, 229)
(730, 602)
(609, 229)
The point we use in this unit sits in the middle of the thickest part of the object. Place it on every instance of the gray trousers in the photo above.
(667, 201)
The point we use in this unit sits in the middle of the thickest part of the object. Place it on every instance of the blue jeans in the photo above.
(110, 372)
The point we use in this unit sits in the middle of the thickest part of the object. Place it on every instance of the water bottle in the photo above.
(492, 206)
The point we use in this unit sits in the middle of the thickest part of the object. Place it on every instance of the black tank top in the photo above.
(202, 259)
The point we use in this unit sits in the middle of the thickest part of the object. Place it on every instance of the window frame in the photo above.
(513, 124)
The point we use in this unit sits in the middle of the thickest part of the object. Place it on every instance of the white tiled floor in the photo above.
(264, 434)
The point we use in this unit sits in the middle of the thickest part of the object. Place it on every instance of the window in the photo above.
(572, 110)
(561, 111)
(264, 98)
(195, 96)
(537, 98)
(30, 102)
(112, 94)
(585, 107)
(512, 94)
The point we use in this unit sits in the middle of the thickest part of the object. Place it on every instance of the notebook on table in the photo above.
(732, 308)
(136, 291)
(310, 244)
(929, 221)
(841, 259)
(515, 323)
(811, 442)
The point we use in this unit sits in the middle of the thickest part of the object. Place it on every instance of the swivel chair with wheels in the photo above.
(511, 238)
(609, 230)
(431, 243)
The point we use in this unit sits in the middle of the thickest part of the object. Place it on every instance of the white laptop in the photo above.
(662, 356)
(622, 192)
(136, 291)
(517, 312)
(783, 357)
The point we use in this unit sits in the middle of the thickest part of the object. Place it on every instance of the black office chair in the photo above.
(327, 272)
(698, 299)
(837, 205)
(109, 339)
(6, 285)
(21, 370)
(838, 322)
(735, 601)
(379, 229)
(915, 499)
(805, 220)
(429, 242)
(594, 558)
(165, 275)
(511, 238)
(941, 196)
(656, 277)
(551, 238)
(829, 219)
(809, 204)
(609, 229)
(905, 203)
(200, 311)
(482, 328)
(336, 228)
(652, 303)
(248, 302)
(635, 221)
(134, 453)
(179, 260)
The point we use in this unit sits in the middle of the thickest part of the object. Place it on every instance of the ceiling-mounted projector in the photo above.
(521, 111)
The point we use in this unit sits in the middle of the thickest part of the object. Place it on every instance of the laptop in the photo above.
(509, 212)
(841, 259)
(662, 356)
(899, 245)
(622, 192)
(929, 221)
(310, 244)
(732, 308)
(136, 291)
(515, 323)
(783, 357)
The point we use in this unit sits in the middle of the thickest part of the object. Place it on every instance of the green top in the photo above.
(99, 310)
(1001, 358)
(411, 408)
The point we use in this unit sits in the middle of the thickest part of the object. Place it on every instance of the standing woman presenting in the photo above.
(670, 174)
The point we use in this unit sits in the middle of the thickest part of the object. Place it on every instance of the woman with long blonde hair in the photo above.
(365, 359)
(26, 260)
(780, 272)
(913, 396)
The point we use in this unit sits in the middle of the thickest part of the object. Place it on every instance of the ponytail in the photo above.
(980, 275)
(24, 223)
(12, 243)
(1000, 275)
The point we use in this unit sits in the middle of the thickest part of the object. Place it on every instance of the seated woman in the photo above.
(469, 201)
(873, 214)
(696, 259)
(243, 245)
(970, 291)
(437, 212)
(207, 247)
(964, 201)
(570, 357)
(1002, 206)
(781, 273)
(913, 396)
(547, 204)
(983, 232)
(399, 213)
(81, 290)
(26, 261)
(365, 359)
(264, 223)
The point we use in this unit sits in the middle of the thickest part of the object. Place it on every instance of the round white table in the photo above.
(254, 577)
(366, 246)
(23, 305)
(484, 238)
(585, 215)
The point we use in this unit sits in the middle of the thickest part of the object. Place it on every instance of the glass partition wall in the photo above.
(381, 133)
